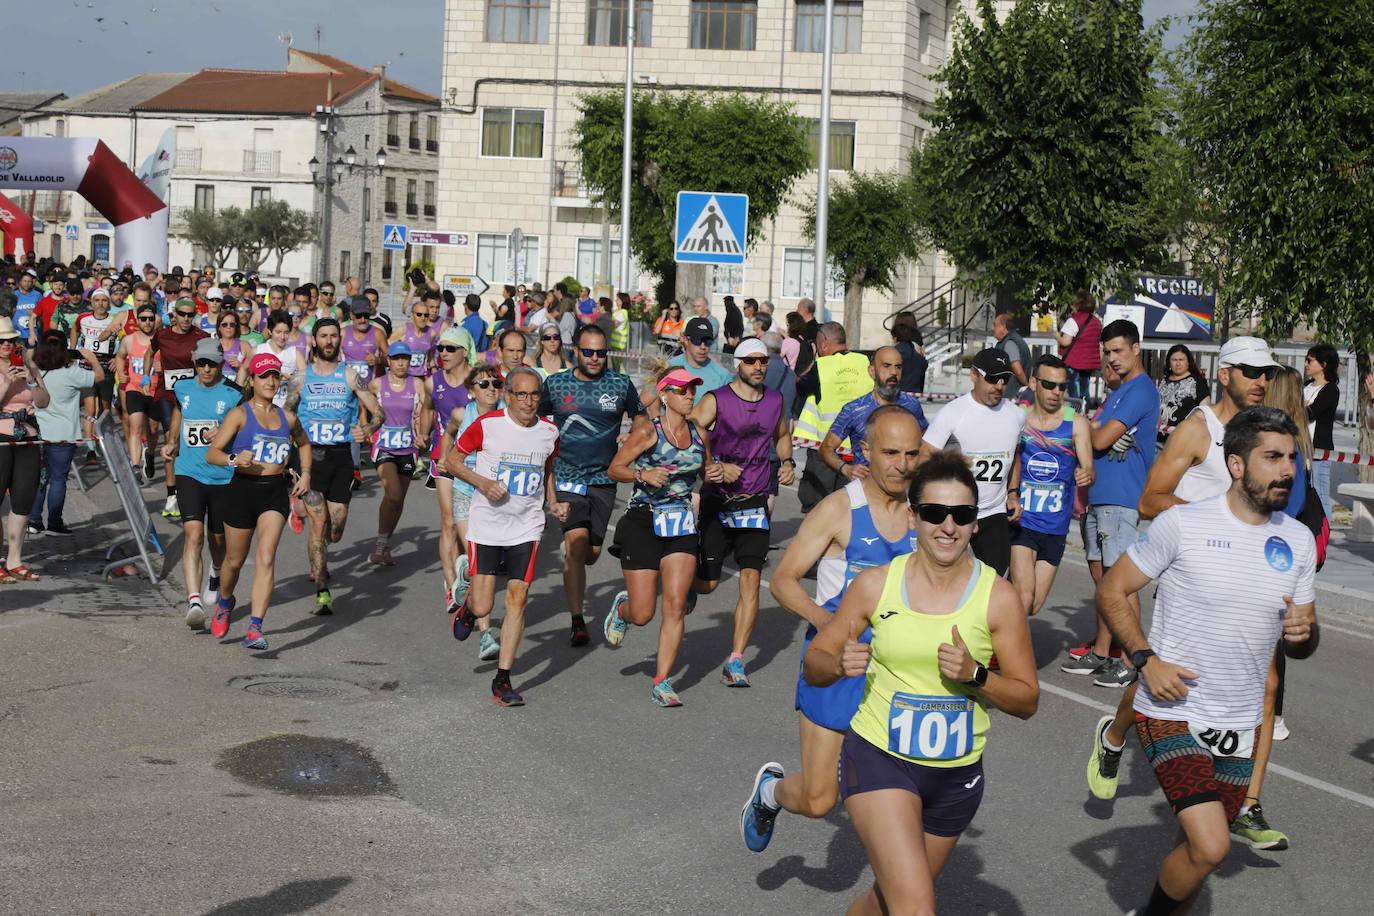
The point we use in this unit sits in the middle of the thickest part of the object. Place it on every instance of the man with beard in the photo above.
(848, 428)
(326, 403)
(1235, 576)
(745, 419)
(587, 403)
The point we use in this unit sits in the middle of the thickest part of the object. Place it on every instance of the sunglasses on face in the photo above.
(1001, 378)
(326, 292)
(447, 348)
(593, 354)
(180, 314)
(754, 360)
(231, 323)
(295, 314)
(1049, 385)
(147, 318)
(486, 383)
(206, 364)
(1254, 372)
(936, 513)
(688, 390)
(550, 337)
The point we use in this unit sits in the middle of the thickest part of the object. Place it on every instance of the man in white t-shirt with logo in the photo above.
(513, 480)
(988, 428)
(1235, 575)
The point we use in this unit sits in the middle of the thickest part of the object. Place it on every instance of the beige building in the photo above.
(514, 69)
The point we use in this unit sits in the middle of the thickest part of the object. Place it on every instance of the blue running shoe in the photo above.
(488, 649)
(664, 695)
(614, 626)
(756, 819)
(732, 675)
(460, 582)
(463, 622)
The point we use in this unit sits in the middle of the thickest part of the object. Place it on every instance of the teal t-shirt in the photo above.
(588, 416)
(713, 375)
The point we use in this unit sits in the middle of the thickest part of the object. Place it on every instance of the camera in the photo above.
(417, 277)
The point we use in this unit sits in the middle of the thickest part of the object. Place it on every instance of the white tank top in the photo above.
(1211, 477)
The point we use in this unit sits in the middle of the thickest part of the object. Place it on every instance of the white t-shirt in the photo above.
(1069, 327)
(1219, 611)
(987, 437)
(515, 455)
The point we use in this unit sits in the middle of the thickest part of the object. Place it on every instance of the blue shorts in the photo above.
(1108, 531)
(1047, 547)
(949, 796)
(831, 707)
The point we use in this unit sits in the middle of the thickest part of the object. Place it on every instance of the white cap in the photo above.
(750, 346)
(1246, 351)
(100, 291)
(214, 292)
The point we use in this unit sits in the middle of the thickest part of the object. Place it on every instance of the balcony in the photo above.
(415, 143)
(412, 209)
(568, 188)
(432, 146)
(393, 140)
(261, 162)
(188, 160)
(430, 209)
(389, 208)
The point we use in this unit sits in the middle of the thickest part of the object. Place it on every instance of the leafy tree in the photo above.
(274, 227)
(872, 230)
(218, 232)
(687, 142)
(278, 228)
(1039, 174)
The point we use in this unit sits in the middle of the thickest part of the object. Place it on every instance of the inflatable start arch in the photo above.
(16, 227)
(88, 167)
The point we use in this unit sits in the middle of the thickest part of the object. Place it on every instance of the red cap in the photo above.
(678, 378)
(264, 362)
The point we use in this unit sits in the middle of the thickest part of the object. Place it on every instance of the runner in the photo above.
(911, 772)
(98, 332)
(484, 388)
(1235, 574)
(656, 538)
(698, 337)
(237, 351)
(290, 355)
(743, 418)
(364, 344)
(139, 374)
(327, 402)
(510, 345)
(421, 333)
(448, 398)
(587, 404)
(848, 429)
(1123, 451)
(988, 429)
(404, 400)
(174, 345)
(201, 406)
(865, 525)
(255, 440)
(513, 477)
(1056, 456)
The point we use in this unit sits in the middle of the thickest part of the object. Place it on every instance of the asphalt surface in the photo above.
(135, 778)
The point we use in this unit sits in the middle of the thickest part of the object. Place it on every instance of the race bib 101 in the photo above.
(930, 727)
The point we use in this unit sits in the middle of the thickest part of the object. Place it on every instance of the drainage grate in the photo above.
(300, 687)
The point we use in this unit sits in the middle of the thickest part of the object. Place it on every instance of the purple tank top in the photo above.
(397, 435)
(268, 446)
(233, 353)
(421, 349)
(447, 399)
(356, 352)
(743, 435)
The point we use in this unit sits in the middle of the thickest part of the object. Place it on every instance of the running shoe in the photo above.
(503, 694)
(294, 517)
(1104, 764)
(324, 604)
(1083, 664)
(1114, 673)
(579, 635)
(1081, 649)
(357, 483)
(488, 649)
(732, 675)
(219, 624)
(171, 509)
(460, 582)
(614, 626)
(1280, 729)
(664, 695)
(691, 602)
(756, 818)
(35, 528)
(462, 622)
(254, 639)
(381, 556)
(1256, 832)
(147, 464)
(195, 615)
(58, 528)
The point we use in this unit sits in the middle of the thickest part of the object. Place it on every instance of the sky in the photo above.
(91, 43)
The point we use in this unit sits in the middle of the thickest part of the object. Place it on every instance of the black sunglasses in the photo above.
(202, 363)
(754, 360)
(486, 383)
(1049, 385)
(1000, 378)
(180, 314)
(550, 337)
(447, 348)
(147, 318)
(1254, 372)
(594, 354)
(936, 513)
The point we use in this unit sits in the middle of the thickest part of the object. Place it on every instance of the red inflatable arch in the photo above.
(88, 167)
(17, 228)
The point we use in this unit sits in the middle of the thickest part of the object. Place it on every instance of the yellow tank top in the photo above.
(909, 709)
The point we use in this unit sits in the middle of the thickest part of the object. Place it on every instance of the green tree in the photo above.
(217, 232)
(872, 230)
(277, 228)
(687, 142)
(1039, 173)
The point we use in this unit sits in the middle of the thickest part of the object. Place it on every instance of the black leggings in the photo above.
(19, 465)
(1280, 662)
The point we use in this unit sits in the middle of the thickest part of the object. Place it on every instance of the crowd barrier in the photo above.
(140, 541)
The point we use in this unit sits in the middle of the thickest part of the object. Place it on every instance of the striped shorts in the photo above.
(1188, 772)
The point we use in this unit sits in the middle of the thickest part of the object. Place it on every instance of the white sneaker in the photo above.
(1280, 729)
(195, 615)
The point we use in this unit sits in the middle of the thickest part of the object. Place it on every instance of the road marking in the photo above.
(1312, 781)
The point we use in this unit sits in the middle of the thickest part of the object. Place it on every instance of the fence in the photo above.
(141, 535)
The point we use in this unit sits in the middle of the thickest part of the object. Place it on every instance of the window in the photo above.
(415, 131)
(809, 34)
(606, 22)
(343, 266)
(390, 195)
(367, 204)
(412, 204)
(205, 197)
(513, 133)
(386, 264)
(799, 274)
(951, 17)
(393, 129)
(518, 21)
(724, 25)
(729, 279)
(430, 207)
(923, 37)
(365, 273)
(589, 263)
(259, 196)
(841, 144)
(493, 259)
(432, 133)
(920, 139)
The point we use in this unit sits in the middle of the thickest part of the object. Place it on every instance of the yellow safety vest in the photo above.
(620, 330)
(843, 377)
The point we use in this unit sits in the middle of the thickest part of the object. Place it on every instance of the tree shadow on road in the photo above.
(292, 897)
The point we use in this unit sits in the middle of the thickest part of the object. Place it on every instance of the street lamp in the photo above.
(350, 161)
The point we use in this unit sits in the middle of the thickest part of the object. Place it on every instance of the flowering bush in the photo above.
(642, 308)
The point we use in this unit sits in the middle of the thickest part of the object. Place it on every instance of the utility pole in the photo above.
(822, 274)
(625, 153)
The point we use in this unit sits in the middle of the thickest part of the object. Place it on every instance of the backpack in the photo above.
(1314, 517)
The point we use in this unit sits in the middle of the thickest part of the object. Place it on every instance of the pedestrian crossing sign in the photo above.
(712, 228)
(395, 236)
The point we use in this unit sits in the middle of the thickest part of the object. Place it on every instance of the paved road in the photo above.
(116, 723)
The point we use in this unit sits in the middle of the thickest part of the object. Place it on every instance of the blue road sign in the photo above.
(73, 232)
(395, 236)
(711, 228)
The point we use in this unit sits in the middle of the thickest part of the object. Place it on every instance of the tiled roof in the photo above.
(118, 98)
(390, 86)
(256, 92)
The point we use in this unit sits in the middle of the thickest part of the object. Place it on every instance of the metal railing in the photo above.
(567, 179)
(432, 146)
(140, 533)
(187, 159)
(261, 162)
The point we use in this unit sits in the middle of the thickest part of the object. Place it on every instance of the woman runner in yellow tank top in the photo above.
(911, 771)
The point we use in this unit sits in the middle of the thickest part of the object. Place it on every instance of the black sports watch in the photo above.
(1140, 656)
(980, 675)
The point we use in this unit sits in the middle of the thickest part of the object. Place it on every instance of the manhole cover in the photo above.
(309, 766)
(300, 688)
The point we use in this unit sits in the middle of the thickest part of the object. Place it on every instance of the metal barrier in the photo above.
(141, 534)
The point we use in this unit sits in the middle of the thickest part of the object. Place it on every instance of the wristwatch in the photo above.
(980, 675)
(1140, 656)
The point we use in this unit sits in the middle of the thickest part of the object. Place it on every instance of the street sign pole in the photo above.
(625, 152)
(517, 246)
(822, 275)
